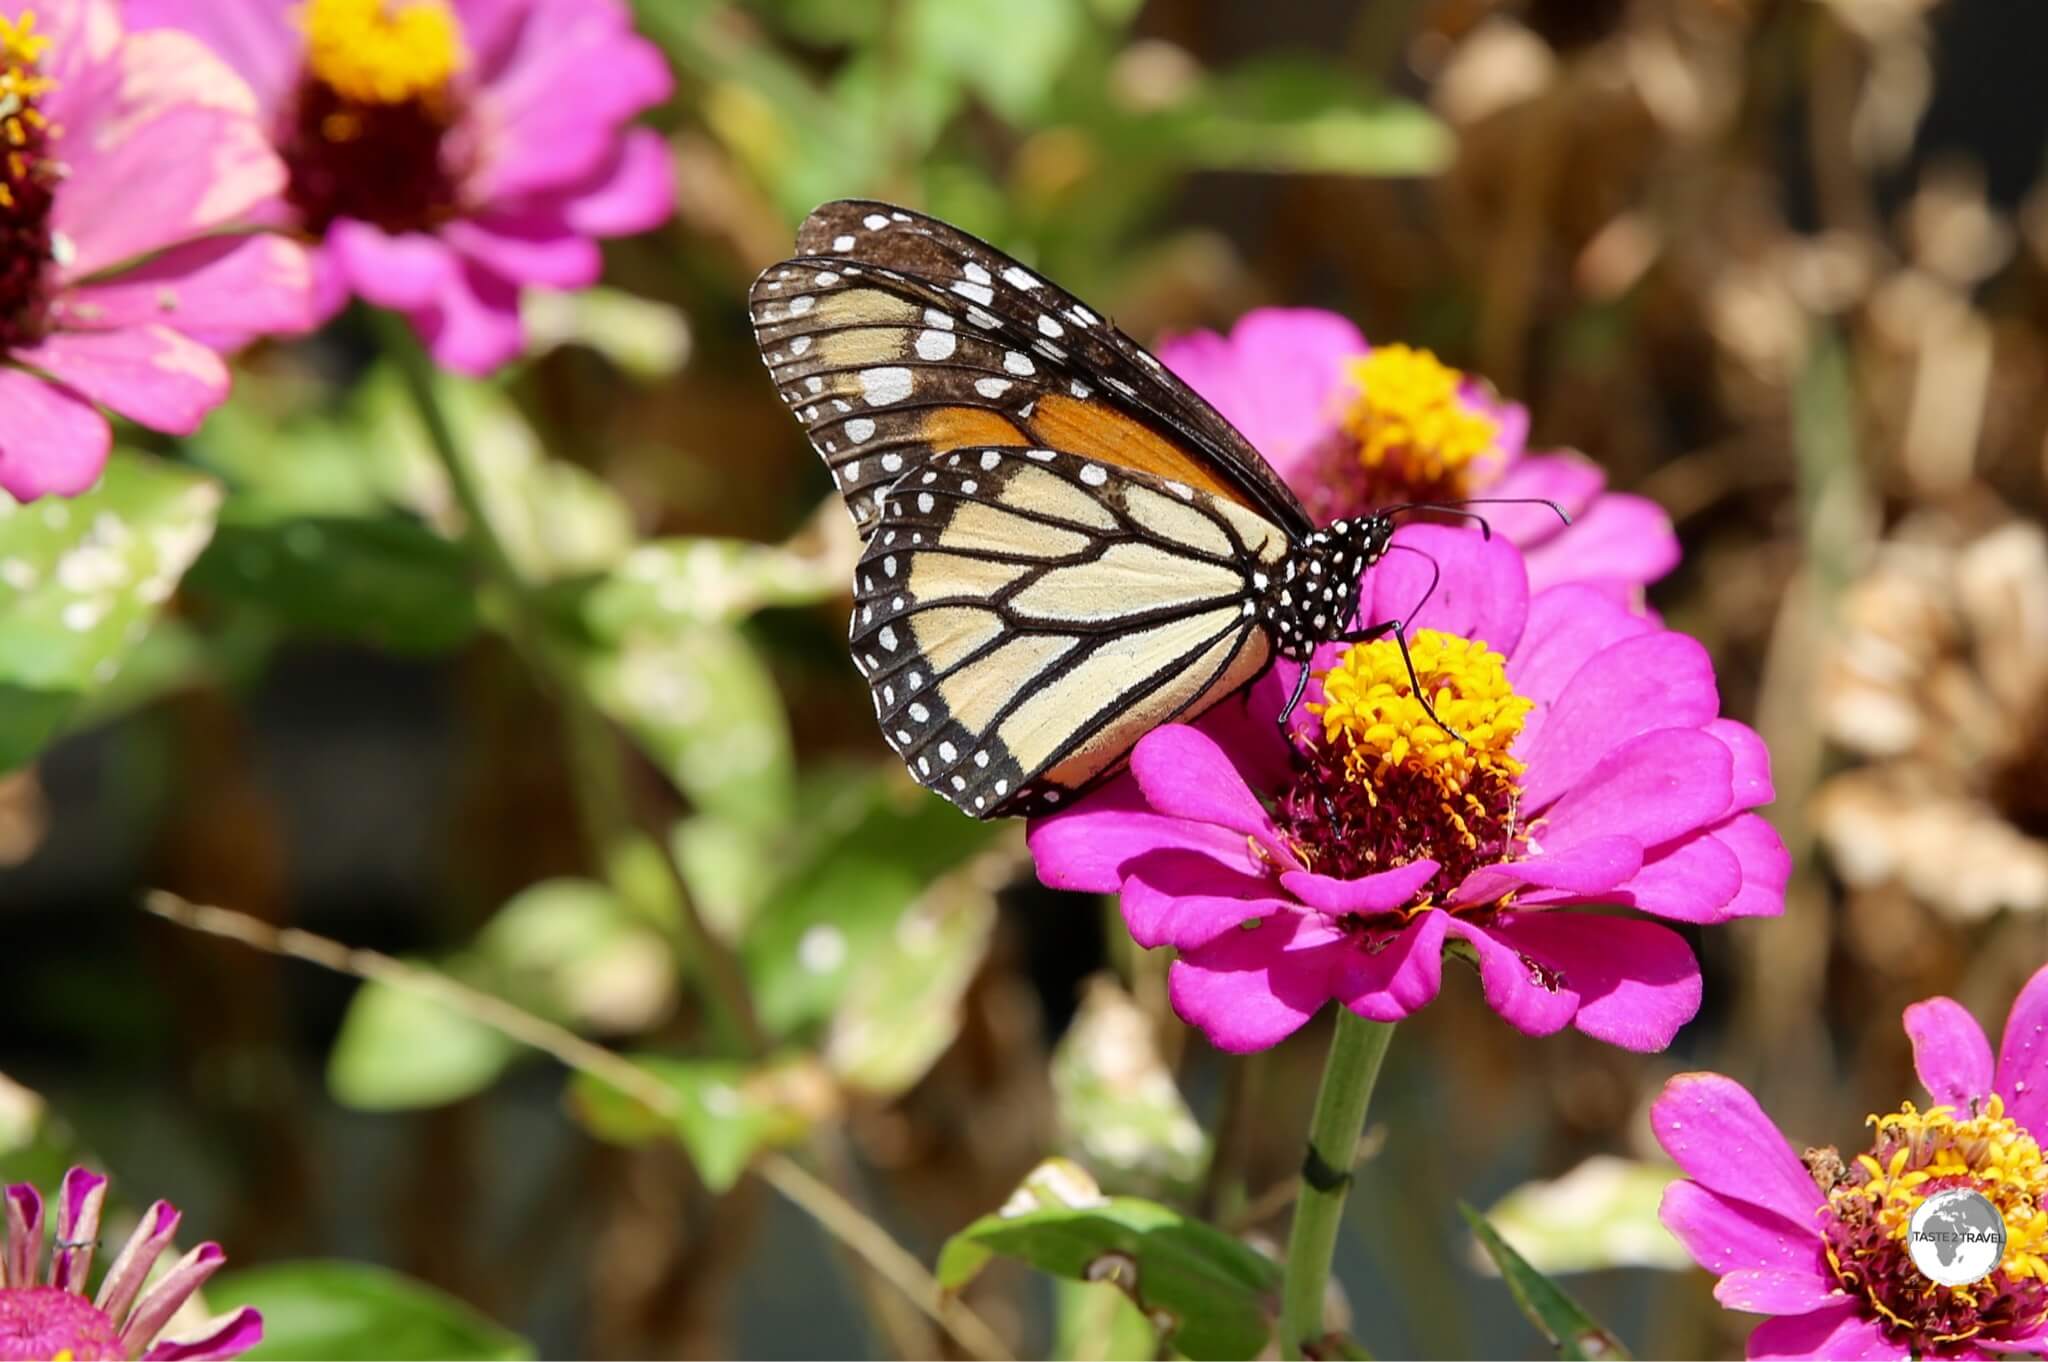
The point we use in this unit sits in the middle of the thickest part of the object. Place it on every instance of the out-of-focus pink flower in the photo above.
(448, 153)
(126, 162)
(46, 1314)
(1593, 769)
(1353, 426)
(1820, 1245)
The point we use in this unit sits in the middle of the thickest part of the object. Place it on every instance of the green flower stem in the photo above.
(635, 863)
(1339, 1118)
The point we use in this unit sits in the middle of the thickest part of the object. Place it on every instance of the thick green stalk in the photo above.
(1339, 1118)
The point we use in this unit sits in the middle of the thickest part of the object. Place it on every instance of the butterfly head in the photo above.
(1312, 595)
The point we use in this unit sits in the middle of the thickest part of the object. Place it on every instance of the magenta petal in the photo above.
(228, 1337)
(1950, 1053)
(473, 326)
(243, 285)
(1726, 1235)
(1661, 680)
(130, 1270)
(1590, 867)
(1278, 377)
(1185, 898)
(1636, 982)
(2023, 1056)
(24, 1246)
(1185, 773)
(1752, 778)
(1766, 866)
(1380, 893)
(171, 1291)
(1568, 626)
(78, 1228)
(1482, 592)
(1401, 976)
(1764, 1291)
(52, 442)
(1654, 788)
(1570, 480)
(527, 249)
(1249, 990)
(635, 193)
(1619, 538)
(1087, 846)
(578, 71)
(258, 40)
(1837, 1331)
(1715, 1131)
(404, 272)
(1693, 879)
(1247, 727)
(152, 375)
(1535, 1008)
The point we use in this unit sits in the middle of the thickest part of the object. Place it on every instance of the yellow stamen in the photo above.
(1987, 1151)
(382, 51)
(1371, 708)
(21, 83)
(1411, 423)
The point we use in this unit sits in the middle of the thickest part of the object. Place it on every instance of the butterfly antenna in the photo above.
(1300, 689)
(1458, 508)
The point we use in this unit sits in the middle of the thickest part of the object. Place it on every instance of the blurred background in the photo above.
(1780, 265)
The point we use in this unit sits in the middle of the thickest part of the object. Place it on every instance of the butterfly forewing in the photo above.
(1023, 616)
(895, 337)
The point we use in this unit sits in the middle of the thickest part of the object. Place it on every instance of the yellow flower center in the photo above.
(1371, 709)
(383, 51)
(1920, 1153)
(1417, 437)
(21, 84)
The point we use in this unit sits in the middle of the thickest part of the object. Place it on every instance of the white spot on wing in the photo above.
(1050, 327)
(874, 222)
(860, 429)
(935, 345)
(980, 293)
(798, 306)
(1093, 474)
(842, 243)
(1022, 278)
(1018, 363)
(883, 386)
(991, 388)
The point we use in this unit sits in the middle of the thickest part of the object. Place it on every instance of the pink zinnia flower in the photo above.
(448, 153)
(44, 1315)
(1353, 426)
(1820, 1244)
(123, 157)
(1593, 770)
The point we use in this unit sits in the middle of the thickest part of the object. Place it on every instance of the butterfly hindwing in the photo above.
(895, 337)
(1023, 616)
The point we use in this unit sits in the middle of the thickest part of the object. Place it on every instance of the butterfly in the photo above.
(1065, 546)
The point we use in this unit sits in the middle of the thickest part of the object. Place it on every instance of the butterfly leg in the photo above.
(1287, 712)
(1399, 629)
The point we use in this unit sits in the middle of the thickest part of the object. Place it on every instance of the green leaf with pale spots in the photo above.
(1120, 1112)
(724, 1113)
(1576, 1335)
(1209, 1295)
(708, 581)
(872, 850)
(398, 1050)
(353, 1312)
(1602, 1214)
(82, 580)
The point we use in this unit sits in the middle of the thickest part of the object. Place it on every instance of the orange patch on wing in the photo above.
(1100, 431)
(948, 428)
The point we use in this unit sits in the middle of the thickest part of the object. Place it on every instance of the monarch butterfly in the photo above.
(1065, 546)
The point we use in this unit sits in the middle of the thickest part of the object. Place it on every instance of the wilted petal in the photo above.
(172, 1290)
(78, 1228)
(226, 1337)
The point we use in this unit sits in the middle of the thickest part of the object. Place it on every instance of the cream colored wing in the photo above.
(1025, 616)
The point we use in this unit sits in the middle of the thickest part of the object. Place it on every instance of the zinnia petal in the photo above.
(1250, 990)
(1480, 591)
(229, 1336)
(1836, 1331)
(1185, 899)
(1950, 1053)
(2023, 1056)
(52, 441)
(1727, 1235)
(152, 375)
(1533, 1007)
(1276, 377)
(1087, 846)
(1368, 894)
(1186, 774)
(404, 270)
(1399, 977)
(1653, 788)
(1661, 680)
(1714, 1130)
(1636, 982)
(1766, 1291)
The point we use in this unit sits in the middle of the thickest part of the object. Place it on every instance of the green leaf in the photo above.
(399, 1049)
(1294, 116)
(570, 950)
(901, 1008)
(81, 581)
(1574, 1333)
(648, 340)
(349, 1311)
(382, 579)
(1209, 1295)
(1120, 1111)
(700, 701)
(1601, 1214)
(1095, 1322)
(1010, 52)
(671, 582)
(724, 1111)
(878, 847)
